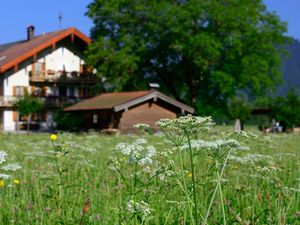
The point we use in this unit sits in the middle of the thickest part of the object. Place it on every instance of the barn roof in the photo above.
(12, 54)
(124, 100)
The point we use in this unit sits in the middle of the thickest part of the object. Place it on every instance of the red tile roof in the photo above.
(107, 101)
(14, 53)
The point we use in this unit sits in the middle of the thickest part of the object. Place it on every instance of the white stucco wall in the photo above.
(19, 78)
(8, 123)
(62, 58)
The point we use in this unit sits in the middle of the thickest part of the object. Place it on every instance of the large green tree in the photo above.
(202, 52)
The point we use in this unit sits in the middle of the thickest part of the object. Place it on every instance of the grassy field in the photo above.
(83, 179)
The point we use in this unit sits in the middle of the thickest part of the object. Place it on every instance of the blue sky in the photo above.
(16, 15)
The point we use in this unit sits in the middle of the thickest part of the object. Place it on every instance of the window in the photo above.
(36, 91)
(71, 91)
(95, 118)
(19, 91)
(38, 68)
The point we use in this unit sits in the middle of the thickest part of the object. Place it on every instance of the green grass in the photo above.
(53, 190)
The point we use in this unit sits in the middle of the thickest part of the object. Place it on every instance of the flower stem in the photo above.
(184, 185)
(216, 188)
(220, 191)
(193, 177)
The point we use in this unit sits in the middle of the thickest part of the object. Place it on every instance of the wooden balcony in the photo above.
(51, 76)
(48, 101)
(8, 101)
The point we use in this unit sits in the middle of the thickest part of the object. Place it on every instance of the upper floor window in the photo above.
(39, 66)
(19, 91)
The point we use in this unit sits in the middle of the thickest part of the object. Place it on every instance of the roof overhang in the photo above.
(154, 95)
(72, 32)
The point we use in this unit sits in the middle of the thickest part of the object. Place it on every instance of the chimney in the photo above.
(153, 86)
(30, 32)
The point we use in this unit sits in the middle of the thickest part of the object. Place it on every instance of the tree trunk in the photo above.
(17, 121)
(28, 122)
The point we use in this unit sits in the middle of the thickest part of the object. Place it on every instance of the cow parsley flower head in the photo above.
(212, 146)
(141, 208)
(137, 152)
(11, 167)
(5, 176)
(2, 156)
(188, 122)
(243, 135)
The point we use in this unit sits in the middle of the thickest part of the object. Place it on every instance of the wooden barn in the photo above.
(123, 110)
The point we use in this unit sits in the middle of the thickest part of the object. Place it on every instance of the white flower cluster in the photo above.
(142, 126)
(141, 207)
(137, 151)
(267, 169)
(2, 156)
(252, 159)
(291, 189)
(5, 176)
(244, 134)
(211, 146)
(11, 167)
(185, 122)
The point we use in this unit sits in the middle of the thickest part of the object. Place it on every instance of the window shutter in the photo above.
(14, 90)
(15, 116)
(43, 67)
(44, 90)
(25, 91)
(32, 91)
(33, 67)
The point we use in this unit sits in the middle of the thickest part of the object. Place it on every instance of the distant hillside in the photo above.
(291, 69)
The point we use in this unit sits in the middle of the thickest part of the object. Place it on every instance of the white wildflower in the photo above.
(211, 146)
(11, 167)
(253, 158)
(141, 208)
(5, 176)
(188, 122)
(142, 126)
(137, 151)
(2, 156)
(140, 141)
(291, 189)
(244, 134)
(267, 169)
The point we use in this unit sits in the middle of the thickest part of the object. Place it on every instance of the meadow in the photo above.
(93, 179)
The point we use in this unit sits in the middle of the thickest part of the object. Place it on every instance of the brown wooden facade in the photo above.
(124, 115)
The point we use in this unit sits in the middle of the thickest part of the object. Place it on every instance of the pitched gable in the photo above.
(14, 53)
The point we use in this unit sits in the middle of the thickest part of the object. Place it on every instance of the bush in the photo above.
(67, 121)
(286, 109)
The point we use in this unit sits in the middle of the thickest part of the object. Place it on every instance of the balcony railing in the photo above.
(49, 101)
(62, 77)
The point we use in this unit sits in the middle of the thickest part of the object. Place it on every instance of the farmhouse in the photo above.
(49, 66)
(122, 110)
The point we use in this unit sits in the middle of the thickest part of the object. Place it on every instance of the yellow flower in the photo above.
(53, 137)
(2, 183)
(235, 167)
(16, 181)
(190, 174)
(58, 156)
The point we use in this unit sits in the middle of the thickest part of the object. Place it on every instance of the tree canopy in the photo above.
(202, 52)
(27, 106)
